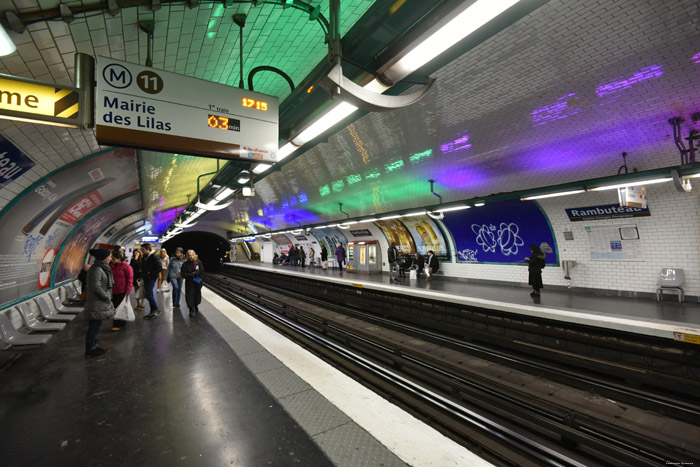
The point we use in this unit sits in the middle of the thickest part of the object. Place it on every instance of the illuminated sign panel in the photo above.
(140, 107)
(37, 102)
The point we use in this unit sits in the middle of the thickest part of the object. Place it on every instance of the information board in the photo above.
(140, 107)
(615, 242)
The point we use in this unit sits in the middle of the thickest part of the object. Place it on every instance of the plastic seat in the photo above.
(12, 336)
(34, 324)
(60, 307)
(671, 280)
(45, 310)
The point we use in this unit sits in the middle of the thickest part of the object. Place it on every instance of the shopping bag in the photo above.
(124, 311)
(428, 271)
(413, 274)
(325, 265)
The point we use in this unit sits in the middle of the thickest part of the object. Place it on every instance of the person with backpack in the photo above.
(535, 264)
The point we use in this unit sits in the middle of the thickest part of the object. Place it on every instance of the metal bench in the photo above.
(671, 280)
(60, 307)
(47, 314)
(34, 324)
(12, 336)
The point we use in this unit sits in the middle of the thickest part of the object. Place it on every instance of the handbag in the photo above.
(124, 311)
(197, 280)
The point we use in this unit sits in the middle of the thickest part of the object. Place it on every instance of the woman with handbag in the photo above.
(137, 268)
(98, 303)
(123, 283)
(191, 271)
(535, 264)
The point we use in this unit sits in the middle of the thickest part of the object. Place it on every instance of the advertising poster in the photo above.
(42, 216)
(427, 236)
(396, 232)
(75, 251)
(330, 238)
(501, 232)
(283, 242)
(13, 162)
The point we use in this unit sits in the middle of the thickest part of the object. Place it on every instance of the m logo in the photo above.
(117, 76)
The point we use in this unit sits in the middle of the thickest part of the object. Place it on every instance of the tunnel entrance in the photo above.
(211, 248)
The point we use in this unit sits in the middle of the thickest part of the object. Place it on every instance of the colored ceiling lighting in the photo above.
(634, 183)
(6, 44)
(456, 29)
(552, 195)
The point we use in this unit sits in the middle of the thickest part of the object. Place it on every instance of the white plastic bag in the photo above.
(124, 311)
(413, 274)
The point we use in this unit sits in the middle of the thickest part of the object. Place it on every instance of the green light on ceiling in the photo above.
(324, 190)
(352, 179)
(338, 186)
(374, 174)
(421, 155)
(390, 167)
(218, 10)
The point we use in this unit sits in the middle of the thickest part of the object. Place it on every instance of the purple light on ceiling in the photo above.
(615, 87)
(456, 145)
(560, 109)
(696, 58)
(162, 219)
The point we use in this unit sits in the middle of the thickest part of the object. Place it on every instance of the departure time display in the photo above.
(260, 105)
(224, 123)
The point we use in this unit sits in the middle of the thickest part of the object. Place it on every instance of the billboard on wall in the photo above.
(501, 232)
(396, 232)
(427, 236)
(330, 238)
(76, 249)
(40, 218)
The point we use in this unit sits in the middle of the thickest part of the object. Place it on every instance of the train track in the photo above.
(500, 423)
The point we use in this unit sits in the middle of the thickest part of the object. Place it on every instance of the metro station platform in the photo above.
(217, 389)
(666, 319)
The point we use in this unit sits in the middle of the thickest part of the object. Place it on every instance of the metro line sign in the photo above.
(140, 107)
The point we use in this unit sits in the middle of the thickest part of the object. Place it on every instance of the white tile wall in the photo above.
(670, 238)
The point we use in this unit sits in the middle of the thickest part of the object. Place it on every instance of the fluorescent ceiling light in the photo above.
(285, 151)
(390, 217)
(552, 195)
(412, 214)
(6, 44)
(634, 183)
(479, 204)
(454, 208)
(225, 193)
(260, 168)
(326, 121)
(456, 29)
(243, 179)
(369, 220)
(691, 175)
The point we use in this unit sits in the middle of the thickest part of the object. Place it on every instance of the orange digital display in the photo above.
(225, 123)
(252, 103)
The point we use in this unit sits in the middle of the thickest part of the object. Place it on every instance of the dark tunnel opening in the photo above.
(211, 248)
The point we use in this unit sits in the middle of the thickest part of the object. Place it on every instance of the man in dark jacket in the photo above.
(392, 257)
(98, 303)
(418, 264)
(432, 266)
(152, 266)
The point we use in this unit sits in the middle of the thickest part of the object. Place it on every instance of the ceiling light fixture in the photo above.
(6, 44)
(223, 194)
(66, 13)
(369, 220)
(413, 214)
(243, 179)
(396, 216)
(479, 204)
(454, 208)
(632, 183)
(260, 168)
(331, 118)
(552, 195)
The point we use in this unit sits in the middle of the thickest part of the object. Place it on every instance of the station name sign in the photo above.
(38, 102)
(140, 107)
(608, 211)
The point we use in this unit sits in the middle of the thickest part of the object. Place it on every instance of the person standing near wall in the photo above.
(324, 257)
(191, 271)
(98, 303)
(165, 263)
(392, 257)
(432, 266)
(535, 264)
(302, 256)
(174, 276)
(151, 270)
(123, 282)
(340, 256)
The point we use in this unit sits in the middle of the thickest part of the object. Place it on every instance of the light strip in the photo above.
(691, 175)
(479, 204)
(448, 35)
(225, 193)
(634, 183)
(552, 195)
(331, 118)
(390, 217)
(260, 168)
(285, 150)
(454, 208)
(6, 44)
(413, 214)
(368, 220)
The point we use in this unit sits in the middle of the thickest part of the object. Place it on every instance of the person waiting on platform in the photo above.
(405, 263)
(165, 260)
(432, 266)
(174, 276)
(324, 257)
(302, 256)
(312, 259)
(123, 283)
(392, 257)
(292, 255)
(418, 264)
(152, 266)
(535, 264)
(276, 259)
(191, 271)
(340, 256)
(139, 287)
(98, 303)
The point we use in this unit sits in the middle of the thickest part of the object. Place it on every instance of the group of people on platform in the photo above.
(110, 280)
(400, 265)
